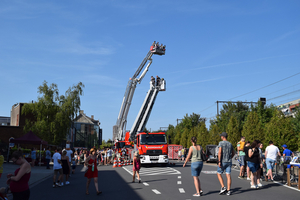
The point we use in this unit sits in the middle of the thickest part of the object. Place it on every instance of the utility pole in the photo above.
(178, 120)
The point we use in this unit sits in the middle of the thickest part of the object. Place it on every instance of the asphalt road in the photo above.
(173, 182)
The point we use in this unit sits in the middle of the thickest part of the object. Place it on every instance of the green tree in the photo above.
(253, 128)
(51, 115)
(202, 135)
(214, 134)
(238, 110)
(170, 133)
(193, 133)
(233, 131)
(183, 139)
(280, 130)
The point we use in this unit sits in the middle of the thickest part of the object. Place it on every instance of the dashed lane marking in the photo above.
(156, 191)
(181, 190)
(146, 184)
(179, 182)
(179, 176)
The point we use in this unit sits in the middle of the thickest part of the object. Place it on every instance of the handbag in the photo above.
(203, 156)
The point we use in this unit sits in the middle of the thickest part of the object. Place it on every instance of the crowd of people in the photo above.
(250, 156)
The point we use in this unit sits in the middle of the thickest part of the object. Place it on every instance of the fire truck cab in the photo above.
(152, 147)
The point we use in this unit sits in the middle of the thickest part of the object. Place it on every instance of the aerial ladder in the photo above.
(146, 108)
(120, 128)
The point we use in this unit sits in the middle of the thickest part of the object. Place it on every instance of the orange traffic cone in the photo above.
(115, 163)
(119, 164)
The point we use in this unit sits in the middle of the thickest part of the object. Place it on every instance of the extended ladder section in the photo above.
(120, 127)
(145, 111)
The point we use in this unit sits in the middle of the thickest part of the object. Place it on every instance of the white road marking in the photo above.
(153, 171)
(146, 184)
(179, 176)
(179, 182)
(181, 190)
(296, 189)
(156, 191)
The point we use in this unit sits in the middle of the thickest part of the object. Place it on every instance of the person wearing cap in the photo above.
(271, 153)
(225, 155)
(287, 153)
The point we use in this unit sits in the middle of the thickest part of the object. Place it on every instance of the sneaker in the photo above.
(196, 195)
(253, 186)
(240, 177)
(228, 193)
(223, 190)
(248, 179)
(201, 193)
(260, 185)
(54, 185)
(61, 184)
(67, 182)
(58, 184)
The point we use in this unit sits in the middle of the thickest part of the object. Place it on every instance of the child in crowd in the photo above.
(73, 165)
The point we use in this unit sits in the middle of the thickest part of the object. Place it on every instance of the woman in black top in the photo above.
(254, 163)
(246, 148)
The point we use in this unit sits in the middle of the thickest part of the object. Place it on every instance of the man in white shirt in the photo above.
(57, 167)
(109, 156)
(271, 155)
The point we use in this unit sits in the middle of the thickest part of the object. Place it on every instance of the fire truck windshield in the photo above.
(121, 144)
(153, 139)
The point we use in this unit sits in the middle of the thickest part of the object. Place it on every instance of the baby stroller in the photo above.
(236, 162)
(3, 193)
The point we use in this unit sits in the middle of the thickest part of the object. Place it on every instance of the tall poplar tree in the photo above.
(253, 129)
(233, 131)
(280, 130)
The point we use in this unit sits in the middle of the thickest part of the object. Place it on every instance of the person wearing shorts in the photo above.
(241, 154)
(225, 156)
(196, 165)
(57, 168)
(254, 164)
(271, 155)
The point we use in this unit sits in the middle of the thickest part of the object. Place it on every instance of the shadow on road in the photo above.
(110, 182)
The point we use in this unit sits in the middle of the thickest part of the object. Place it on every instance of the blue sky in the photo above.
(216, 50)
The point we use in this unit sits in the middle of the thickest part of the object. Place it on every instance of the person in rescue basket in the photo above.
(136, 166)
(92, 172)
(197, 164)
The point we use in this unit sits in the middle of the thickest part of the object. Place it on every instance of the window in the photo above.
(153, 139)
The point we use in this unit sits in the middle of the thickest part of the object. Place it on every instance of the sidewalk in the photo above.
(38, 173)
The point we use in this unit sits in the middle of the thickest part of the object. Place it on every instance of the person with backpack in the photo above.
(241, 154)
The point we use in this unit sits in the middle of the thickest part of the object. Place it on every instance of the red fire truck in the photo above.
(151, 146)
